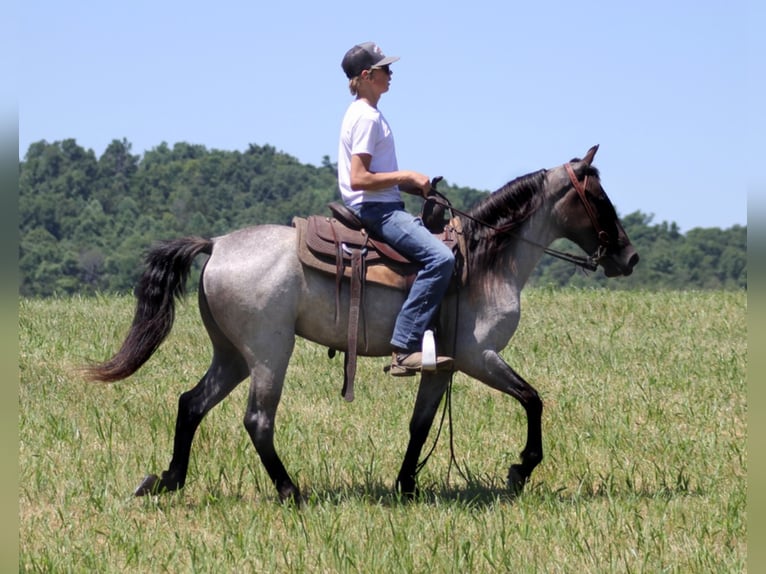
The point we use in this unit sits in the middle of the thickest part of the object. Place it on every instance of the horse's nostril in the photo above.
(633, 261)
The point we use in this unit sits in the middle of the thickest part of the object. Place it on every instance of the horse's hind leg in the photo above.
(267, 379)
(430, 393)
(225, 373)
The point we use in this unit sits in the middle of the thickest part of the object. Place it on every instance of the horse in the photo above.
(256, 297)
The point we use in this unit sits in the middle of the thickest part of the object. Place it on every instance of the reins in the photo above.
(447, 410)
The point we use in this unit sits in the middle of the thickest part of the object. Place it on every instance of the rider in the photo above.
(370, 183)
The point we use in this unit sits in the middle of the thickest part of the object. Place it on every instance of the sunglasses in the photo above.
(385, 69)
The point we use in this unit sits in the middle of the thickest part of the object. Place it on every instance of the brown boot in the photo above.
(408, 364)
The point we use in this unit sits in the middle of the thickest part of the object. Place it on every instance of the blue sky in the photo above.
(485, 91)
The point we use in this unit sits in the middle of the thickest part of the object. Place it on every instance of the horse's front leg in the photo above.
(499, 375)
(430, 393)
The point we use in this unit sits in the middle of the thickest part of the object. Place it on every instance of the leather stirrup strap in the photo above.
(339, 270)
(357, 278)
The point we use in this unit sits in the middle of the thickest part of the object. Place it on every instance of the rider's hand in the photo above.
(416, 184)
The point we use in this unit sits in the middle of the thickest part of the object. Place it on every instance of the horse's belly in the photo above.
(317, 319)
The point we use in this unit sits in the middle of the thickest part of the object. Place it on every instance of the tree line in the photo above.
(86, 221)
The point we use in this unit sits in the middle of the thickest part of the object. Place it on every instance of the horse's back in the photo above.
(266, 252)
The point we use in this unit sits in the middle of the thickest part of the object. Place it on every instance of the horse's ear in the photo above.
(589, 156)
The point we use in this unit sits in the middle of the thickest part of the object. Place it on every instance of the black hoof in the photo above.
(291, 495)
(408, 489)
(516, 479)
(150, 485)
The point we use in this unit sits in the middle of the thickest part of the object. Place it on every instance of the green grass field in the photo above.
(644, 429)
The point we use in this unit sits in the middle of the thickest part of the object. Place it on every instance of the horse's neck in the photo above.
(500, 288)
(523, 254)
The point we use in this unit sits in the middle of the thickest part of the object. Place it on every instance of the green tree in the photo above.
(85, 222)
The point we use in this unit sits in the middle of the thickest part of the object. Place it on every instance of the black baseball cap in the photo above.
(363, 57)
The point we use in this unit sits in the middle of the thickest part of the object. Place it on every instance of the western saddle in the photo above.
(340, 246)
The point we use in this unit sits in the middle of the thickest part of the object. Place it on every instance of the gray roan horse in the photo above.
(255, 297)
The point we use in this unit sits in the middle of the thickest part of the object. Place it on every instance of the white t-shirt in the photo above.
(365, 130)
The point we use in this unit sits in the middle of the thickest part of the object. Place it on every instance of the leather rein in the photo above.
(590, 262)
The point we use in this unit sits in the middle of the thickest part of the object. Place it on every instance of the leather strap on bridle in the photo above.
(603, 236)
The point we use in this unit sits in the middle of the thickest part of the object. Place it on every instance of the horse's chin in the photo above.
(610, 273)
(622, 267)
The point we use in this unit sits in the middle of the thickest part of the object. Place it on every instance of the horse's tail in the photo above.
(167, 267)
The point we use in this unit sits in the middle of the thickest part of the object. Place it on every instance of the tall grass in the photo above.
(644, 471)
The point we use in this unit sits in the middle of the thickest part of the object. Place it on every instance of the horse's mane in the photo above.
(490, 227)
(504, 210)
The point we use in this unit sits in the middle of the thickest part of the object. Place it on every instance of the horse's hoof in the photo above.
(411, 495)
(407, 489)
(150, 485)
(516, 480)
(289, 494)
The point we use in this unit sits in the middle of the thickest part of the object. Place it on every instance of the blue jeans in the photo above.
(407, 234)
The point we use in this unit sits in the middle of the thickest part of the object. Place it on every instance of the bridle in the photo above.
(603, 236)
(590, 262)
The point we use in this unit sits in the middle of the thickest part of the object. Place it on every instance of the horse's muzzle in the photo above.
(620, 263)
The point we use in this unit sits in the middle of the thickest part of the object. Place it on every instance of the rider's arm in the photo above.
(408, 181)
